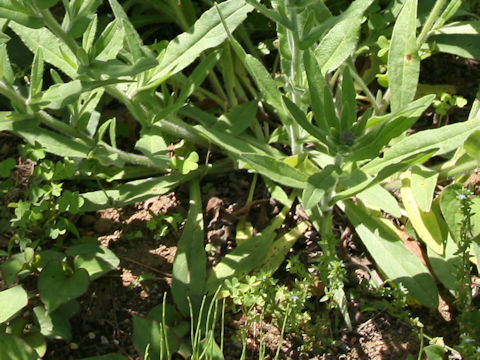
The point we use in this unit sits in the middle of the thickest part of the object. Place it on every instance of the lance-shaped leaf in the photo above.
(403, 58)
(423, 183)
(53, 49)
(276, 170)
(60, 95)
(426, 224)
(338, 44)
(387, 127)
(385, 245)
(36, 75)
(206, 33)
(190, 265)
(110, 42)
(45, 4)
(133, 191)
(317, 86)
(445, 139)
(13, 10)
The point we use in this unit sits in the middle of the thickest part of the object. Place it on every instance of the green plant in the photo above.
(320, 148)
(26, 320)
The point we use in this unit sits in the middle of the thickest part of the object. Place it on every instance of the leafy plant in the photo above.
(329, 142)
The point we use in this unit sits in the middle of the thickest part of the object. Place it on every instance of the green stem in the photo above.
(364, 86)
(432, 17)
(295, 74)
(57, 30)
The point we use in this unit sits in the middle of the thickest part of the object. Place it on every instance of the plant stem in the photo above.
(295, 73)
(364, 86)
(57, 30)
(432, 17)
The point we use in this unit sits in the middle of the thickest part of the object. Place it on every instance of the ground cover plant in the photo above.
(315, 103)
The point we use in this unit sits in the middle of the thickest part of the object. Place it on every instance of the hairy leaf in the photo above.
(403, 58)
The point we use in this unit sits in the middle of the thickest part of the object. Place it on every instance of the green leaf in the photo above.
(377, 197)
(150, 334)
(451, 205)
(110, 42)
(11, 302)
(36, 77)
(37, 342)
(241, 260)
(446, 266)
(382, 241)
(459, 38)
(116, 68)
(190, 264)
(54, 51)
(133, 191)
(265, 83)
(89, 35)
(280, 248)
(51, 141)
(435, 352)
(403, 58)
(302, 120)
(60, 95)
(206, 33)
(54, 325)
(185, 164)
(12, 10)
(12, 347)
(319, 185)
(472, 145)
(6, 71)
(95, 258)
(10, 269)
(317, 86)
(338, 44)
(238, 119)
(6, 166)
(445, 139)
(358, 180)
(428, 225)
(45, 4)
(70, 201)
(56, 288)
(349, 105)
(276, 170)
(423, 183)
